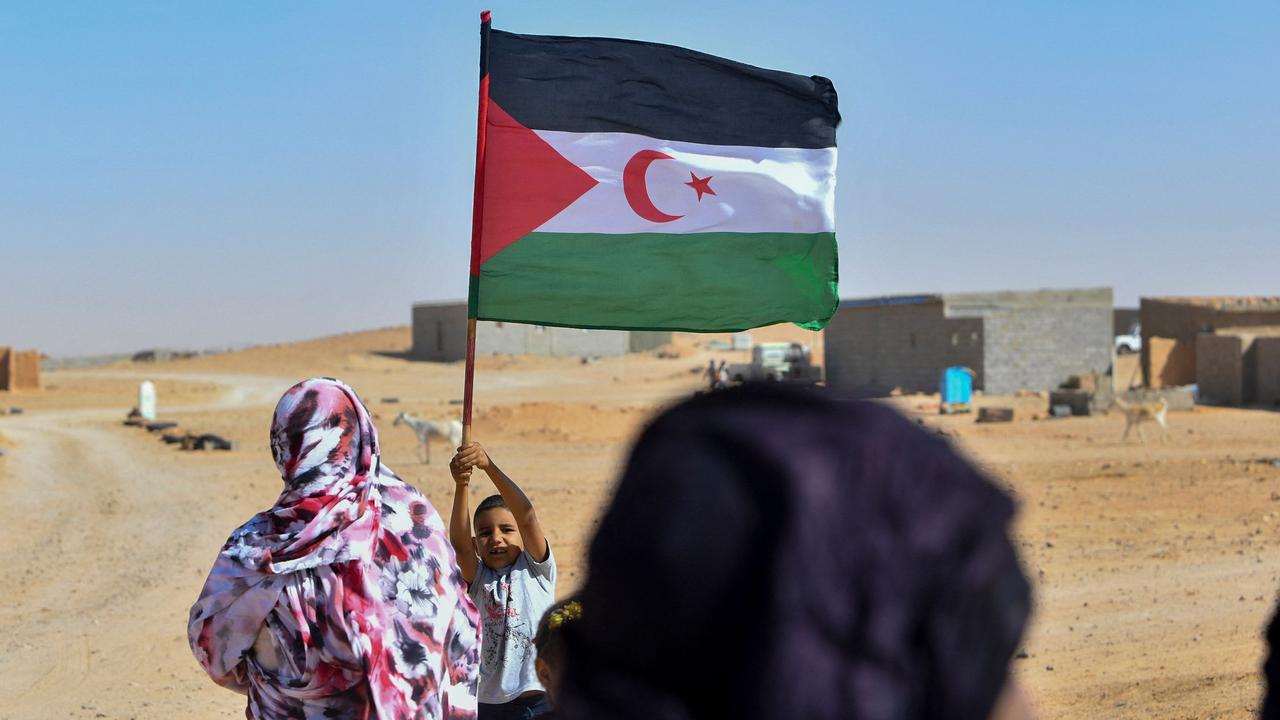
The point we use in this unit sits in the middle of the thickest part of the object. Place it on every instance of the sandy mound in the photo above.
(562, 422)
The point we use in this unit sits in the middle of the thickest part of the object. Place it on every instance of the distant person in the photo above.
(550, 644)
(512, 576)
(713, 377)
(774, 554)
(343, 599)
(722, 377)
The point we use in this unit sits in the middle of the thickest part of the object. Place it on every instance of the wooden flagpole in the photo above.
(477, 216)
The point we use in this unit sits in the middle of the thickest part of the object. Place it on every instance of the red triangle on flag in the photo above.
(526, 182)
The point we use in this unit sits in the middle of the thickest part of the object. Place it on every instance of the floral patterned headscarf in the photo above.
(352, 576)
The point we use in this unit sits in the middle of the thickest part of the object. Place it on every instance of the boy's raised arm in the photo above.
(535, 541)
(460, 519)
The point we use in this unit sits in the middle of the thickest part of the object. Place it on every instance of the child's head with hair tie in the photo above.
(549, 642)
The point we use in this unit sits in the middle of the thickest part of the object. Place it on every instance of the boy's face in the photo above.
(498, 540)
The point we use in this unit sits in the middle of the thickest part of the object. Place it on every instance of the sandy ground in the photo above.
(1155, 564)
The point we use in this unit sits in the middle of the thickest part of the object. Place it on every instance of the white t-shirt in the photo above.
(511, 602)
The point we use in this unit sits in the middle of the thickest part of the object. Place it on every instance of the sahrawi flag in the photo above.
(631, 185)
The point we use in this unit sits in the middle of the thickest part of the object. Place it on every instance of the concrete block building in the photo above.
(440, 334)
(19, 370)
(1011, 340)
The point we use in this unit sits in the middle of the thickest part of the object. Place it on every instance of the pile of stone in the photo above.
(1080, 395)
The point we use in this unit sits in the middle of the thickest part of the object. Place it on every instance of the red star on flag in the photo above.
(702, 185)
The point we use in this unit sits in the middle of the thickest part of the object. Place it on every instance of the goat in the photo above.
(450, 430)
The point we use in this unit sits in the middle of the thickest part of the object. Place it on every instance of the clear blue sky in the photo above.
(198, 174)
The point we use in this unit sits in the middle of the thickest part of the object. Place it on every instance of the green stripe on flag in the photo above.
(701, 282)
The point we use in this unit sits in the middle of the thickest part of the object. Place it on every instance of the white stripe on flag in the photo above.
(784, 190)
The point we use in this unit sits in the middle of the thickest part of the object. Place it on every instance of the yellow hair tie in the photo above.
(571, 611)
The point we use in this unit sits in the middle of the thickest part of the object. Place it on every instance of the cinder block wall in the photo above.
(572, 342)
(504, 338)
(1267, 351)
(440, 332)
(1220, 368)
(1038, 348)
(440, 335)
(869, 351)
(645, 340)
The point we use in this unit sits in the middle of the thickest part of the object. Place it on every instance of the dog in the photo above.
(1139, 412)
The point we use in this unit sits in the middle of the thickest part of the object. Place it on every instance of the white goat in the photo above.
(450, 430)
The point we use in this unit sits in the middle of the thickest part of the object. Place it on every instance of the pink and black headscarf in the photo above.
(352, 575)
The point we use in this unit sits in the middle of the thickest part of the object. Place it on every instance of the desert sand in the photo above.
(1154, 565)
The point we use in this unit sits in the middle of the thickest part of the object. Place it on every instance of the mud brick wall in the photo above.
(869, 351)
(1267, 351)
(1172, 362)
(26, 370)
(1220, 368)
(6, 368)
(1181, 322)
(1124, 319)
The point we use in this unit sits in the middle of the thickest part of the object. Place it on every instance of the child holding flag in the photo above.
(512, 576)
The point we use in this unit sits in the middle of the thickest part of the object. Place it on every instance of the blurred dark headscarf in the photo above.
(1271, 671)
(774, 553)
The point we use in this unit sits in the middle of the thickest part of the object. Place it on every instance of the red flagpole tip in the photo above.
(485, 16)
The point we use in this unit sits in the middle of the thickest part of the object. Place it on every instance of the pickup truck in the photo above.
(1130, 342)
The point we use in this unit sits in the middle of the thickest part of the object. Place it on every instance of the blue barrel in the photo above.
(956, 388)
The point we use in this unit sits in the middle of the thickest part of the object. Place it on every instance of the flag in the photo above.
(632, 185)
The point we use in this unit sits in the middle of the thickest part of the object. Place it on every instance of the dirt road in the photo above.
(100, 529)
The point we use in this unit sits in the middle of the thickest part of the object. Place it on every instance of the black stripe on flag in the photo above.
(608, 85)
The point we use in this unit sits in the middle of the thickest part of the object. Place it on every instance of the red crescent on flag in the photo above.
(637, 192)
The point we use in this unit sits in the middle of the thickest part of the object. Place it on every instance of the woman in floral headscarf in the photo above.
(344, 598)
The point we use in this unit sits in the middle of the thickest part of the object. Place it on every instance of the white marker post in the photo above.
(147, 400)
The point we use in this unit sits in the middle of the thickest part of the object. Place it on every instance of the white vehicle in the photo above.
(1130, 342)
(776, 361)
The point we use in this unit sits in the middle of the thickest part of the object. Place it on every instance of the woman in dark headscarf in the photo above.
(344, 599)
(775, 554)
